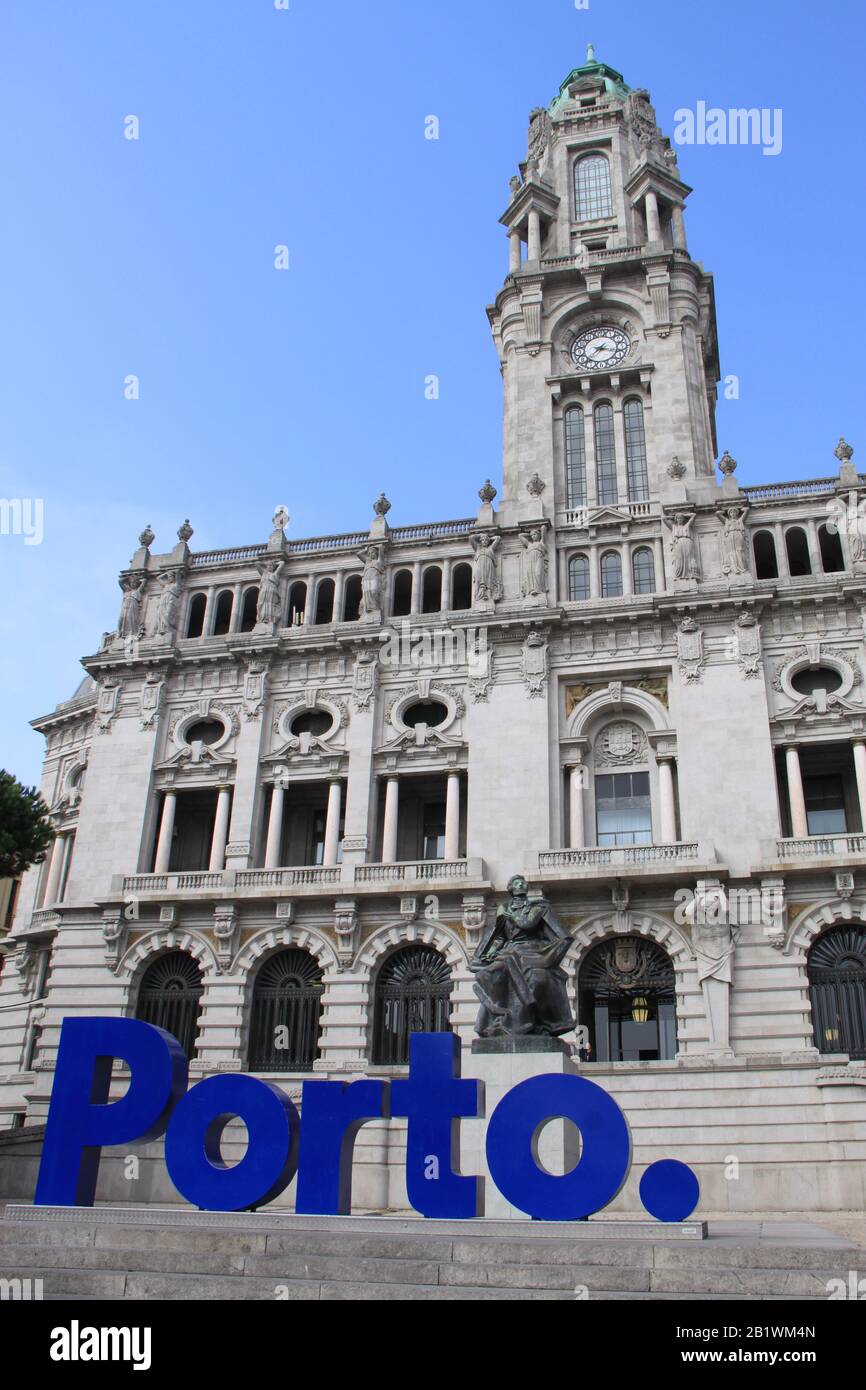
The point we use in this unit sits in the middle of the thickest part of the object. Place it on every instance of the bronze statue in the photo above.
(517, 970)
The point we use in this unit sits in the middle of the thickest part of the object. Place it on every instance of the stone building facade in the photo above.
(296, 779)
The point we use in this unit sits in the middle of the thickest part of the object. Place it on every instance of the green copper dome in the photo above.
(614, 82)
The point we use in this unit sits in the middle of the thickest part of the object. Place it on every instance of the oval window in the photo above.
(807, 682)
(429, 712)
(312, 721)
(206, 731)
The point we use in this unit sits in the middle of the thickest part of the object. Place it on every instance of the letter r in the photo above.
(80, 1120)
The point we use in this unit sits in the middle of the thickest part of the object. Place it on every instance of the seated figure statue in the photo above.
(517, 970)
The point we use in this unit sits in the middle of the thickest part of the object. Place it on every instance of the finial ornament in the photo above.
(727, 465)
(590, 52)
(147, 537)
(843, 451)
(184, 532)
(487, 493)
(281, 518)
(381, 506)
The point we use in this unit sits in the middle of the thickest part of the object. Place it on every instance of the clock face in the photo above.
(599, 349)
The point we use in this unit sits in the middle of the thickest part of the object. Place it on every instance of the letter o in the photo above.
(192, 1143)
(511, 1147)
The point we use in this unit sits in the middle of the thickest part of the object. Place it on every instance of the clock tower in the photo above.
(605, 326)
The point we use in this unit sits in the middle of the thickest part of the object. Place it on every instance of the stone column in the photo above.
(310, 601)
(796, 798)
(781, 551)
(55, 868)
(627, 576)
(237, 608)
(220, 831)
(653, 226)
(679, 227)
(534, 248)
(447, 567)
(452, 817)
(339, 590)
(275, 828)
(668, 807)
(814, 546)
(332, 822)
(577, 831)
(659, 561)
(515, 251)
(594, 581)
(389, 836)
(417, 588)
(166, 831)
(860, 770)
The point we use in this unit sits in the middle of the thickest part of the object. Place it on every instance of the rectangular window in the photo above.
(605, 455)
(433, 822)
(575, 458)
(623, 814)
(635, 452)
(825, 804)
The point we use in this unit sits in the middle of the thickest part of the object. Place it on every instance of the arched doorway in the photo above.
(170, 997)
(837, 989)
(627, 1000)
(284, 1017)
(412, 995)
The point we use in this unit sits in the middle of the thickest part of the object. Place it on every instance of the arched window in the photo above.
(578, 579)
(837, 988)
(832, 559)
(627, 1000)
(413, 995)
(635, 451)
(297, 604)
(575, 457)
(284, 1017)
(611, 574)
(461, 588)
(170, 997)
(797, 547)
(402, 606)
(766, 565)
(592, 188)
(195, 622)
(352, 599)
(605, 454)
(223, 616)
(643, 571)
(431, 590)
(325, 602)
(249, 610)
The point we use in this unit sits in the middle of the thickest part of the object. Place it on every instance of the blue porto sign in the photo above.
(433, 1098)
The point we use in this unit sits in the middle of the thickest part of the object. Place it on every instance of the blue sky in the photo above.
(305, 127)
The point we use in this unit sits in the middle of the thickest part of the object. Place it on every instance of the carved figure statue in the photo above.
(371, 583)
(130, 621)
(518, 976)
(268, 608)
(735, 549)
(684, 551)
(486, 588)
(714, 944)
(533, 566)
(166, 613)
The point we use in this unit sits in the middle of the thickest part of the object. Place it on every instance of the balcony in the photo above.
(816, 852)
(306, 880)
(420, 873)
(628, 861)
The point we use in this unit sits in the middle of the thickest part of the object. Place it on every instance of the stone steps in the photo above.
(84, 1255)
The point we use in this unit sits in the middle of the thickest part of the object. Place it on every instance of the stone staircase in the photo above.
(129, 1253)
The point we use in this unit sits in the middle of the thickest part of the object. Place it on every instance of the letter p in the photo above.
(80, 1120)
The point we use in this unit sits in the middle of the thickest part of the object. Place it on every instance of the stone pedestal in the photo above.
(502, 1063)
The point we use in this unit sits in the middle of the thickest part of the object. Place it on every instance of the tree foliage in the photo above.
(25, 826)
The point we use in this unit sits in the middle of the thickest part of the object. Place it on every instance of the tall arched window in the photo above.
(352, 599)
(431, 590)
(170, 997)
(832, 559)
(325, 602)
(461, 588)
(627, 997)
(837, 989)
(575, 457)
(249, 610)
(605, 453)
(766, 564)
(284, 1016)
(797, 547)
(413, 995)
(635, 451)
(195, 621)
(223, 616)
(592, 188)
(643, 571)
(297, 604)
(402, 605)
(611, 574)
(578, 579)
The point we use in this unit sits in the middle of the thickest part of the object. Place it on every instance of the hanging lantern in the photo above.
(639, 1009)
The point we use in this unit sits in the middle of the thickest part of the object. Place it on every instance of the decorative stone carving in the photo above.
(535, 663)
(130, 624)
(843, 451)
(147, 537)
(727, 465)
(534, 581)
(150, 699)
(690, 650)
(269, 606)
(536, 485)
(480, 675)
(620, 895)
(114, 928)
(381, 506)
(714, 943)
(539, 135)
(685, 561)
(255, 678)
(26, 962)
(365, 676)
(620, 744)
(169, 599)
(518, 977)
(844, 885)
(747, 644)
(486, 588)
(735, 544)
(372, 581)
(107, 704)
(675, 469)
(185, 532)
(346, 926)
(226, 930)
(474, 917)
(487, 493)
